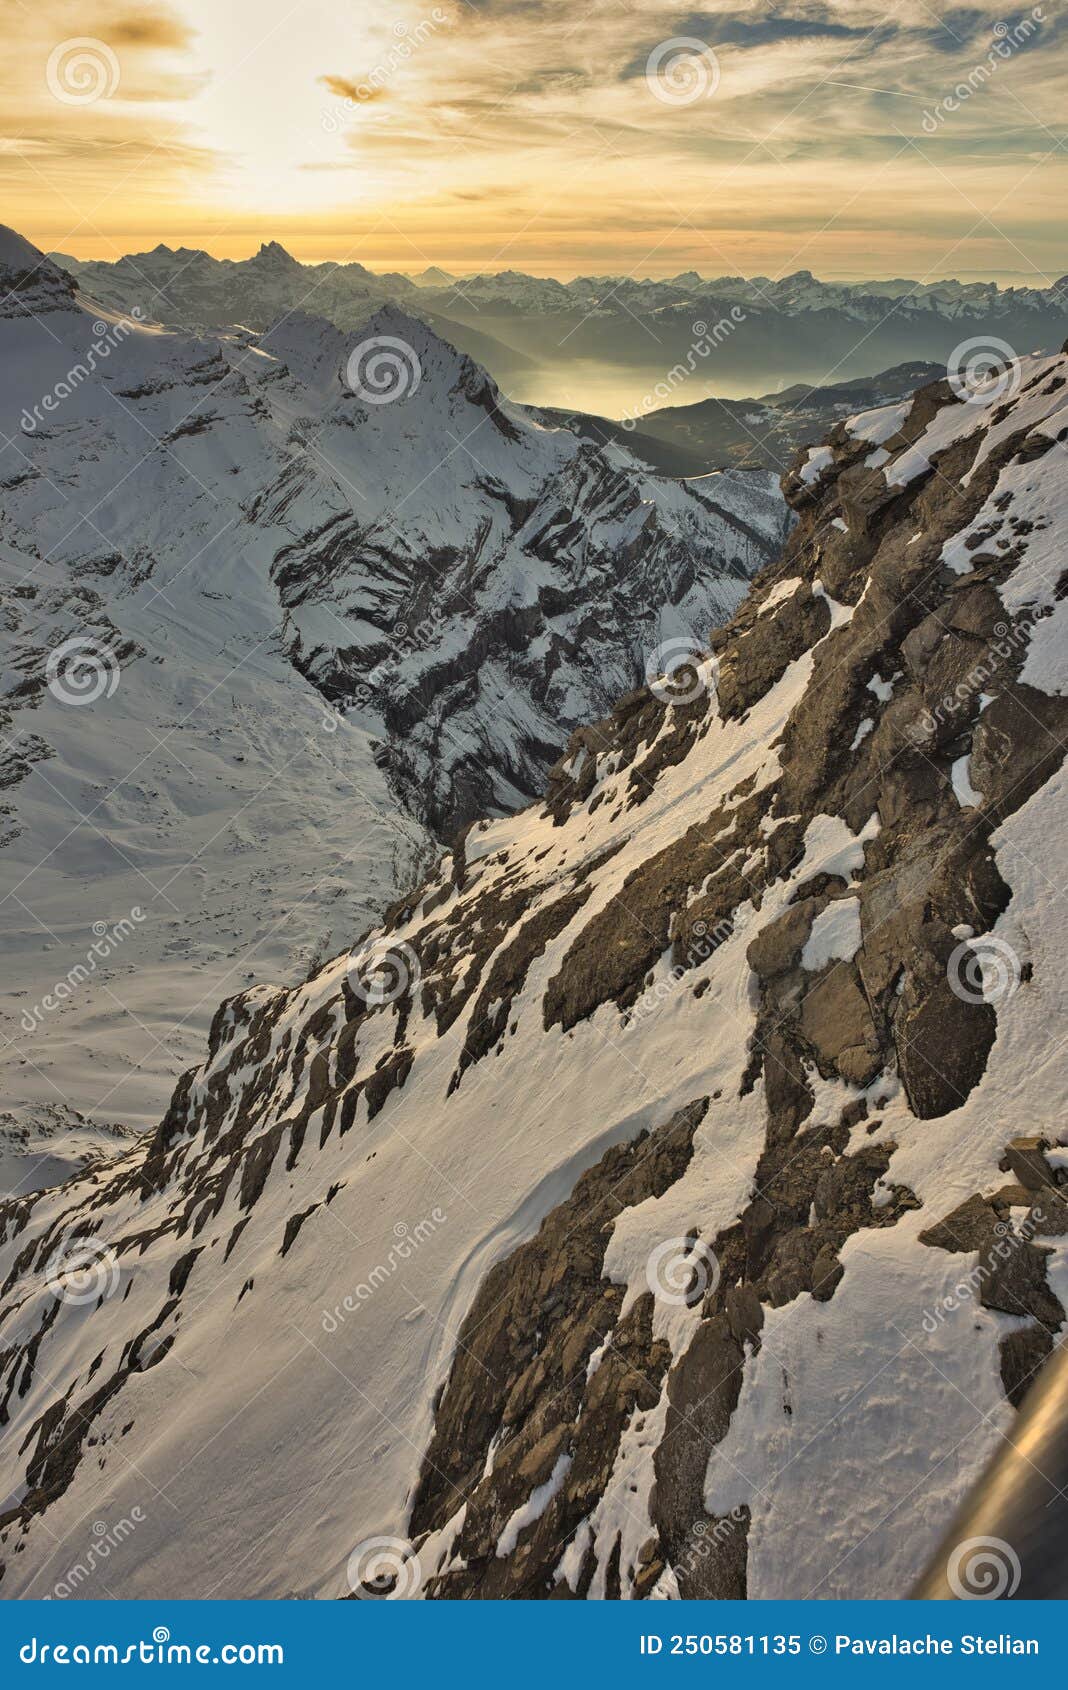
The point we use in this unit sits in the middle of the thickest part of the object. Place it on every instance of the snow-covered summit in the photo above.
(333, 592)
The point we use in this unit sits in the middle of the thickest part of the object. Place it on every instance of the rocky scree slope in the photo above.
(254, 619)
(645, 1209)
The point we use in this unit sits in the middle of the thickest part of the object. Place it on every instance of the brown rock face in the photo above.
(906, 1003)
(519, 1386)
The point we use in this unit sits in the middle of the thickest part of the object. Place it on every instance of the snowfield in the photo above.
(307, 633)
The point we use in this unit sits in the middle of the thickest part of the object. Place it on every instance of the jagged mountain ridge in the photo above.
(634, 1215)
(304, 609)
(794, 328)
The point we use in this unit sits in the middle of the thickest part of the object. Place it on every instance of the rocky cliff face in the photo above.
(668, 1199)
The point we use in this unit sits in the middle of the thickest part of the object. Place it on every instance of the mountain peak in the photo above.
(17, 253)
(32, 283)
(275, 254)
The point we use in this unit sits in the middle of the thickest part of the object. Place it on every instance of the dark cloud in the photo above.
(360, 93)
(160, 31)
(752, 29)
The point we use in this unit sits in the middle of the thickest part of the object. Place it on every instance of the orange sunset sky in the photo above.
(531, 134)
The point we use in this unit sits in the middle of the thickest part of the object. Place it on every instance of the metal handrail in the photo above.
(1010, 1538)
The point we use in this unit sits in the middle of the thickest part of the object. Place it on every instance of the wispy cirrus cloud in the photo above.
(364, 128)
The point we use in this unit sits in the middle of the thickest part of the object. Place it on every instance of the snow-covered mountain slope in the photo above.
(247, 608)
(643, 1210)
(43, 1146)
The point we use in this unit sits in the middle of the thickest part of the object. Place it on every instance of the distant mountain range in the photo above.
(727, 330)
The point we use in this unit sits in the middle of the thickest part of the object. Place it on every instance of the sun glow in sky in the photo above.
(829, 135)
